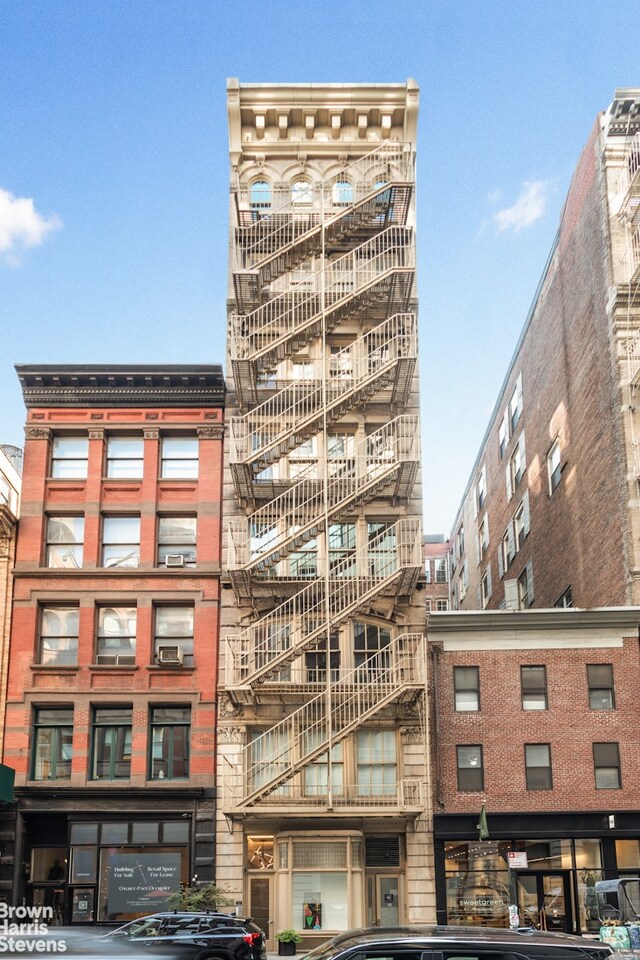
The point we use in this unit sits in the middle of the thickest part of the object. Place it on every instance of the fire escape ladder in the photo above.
(273, 240)
(389, 565)
(394, 672)
(387, 458)
(383, 358)
(290, 319)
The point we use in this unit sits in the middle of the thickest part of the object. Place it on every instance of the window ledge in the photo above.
(118, 667)
(54, 668)
(163, 668)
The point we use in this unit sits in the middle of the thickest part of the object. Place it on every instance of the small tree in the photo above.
(198, 899)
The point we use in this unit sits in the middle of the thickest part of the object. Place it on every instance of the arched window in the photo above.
(342, 193)
(260, 195)
(301, 193)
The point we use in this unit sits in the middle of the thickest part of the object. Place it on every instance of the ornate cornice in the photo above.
(37, 433)
(121, 385)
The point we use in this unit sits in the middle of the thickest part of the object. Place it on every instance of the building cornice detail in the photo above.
(473, 621)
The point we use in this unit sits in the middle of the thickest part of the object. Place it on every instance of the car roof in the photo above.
(461, 934)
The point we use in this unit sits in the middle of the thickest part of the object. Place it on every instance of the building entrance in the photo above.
(383, 906)
(544, 901)
(260, 905)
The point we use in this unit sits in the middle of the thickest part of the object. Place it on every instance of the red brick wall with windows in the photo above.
(87, 684)
(502, 727)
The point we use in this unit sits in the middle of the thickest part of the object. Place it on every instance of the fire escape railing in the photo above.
(276, 755)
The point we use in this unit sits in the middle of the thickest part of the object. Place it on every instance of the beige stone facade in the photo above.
(323, 812)
(551, 514)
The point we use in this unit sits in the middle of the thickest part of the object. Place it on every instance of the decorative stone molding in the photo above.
(210, 432)
(227, 709)
(232, 735)
(96, 433)
(412, 735)
(151, 433)
(37, 433)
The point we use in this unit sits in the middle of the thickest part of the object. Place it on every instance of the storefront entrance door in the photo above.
(383, 908)
(260, 905)
(544, 901)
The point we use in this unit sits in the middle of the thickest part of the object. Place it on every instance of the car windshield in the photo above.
(322, 952)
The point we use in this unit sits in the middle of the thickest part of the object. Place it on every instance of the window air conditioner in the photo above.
(174, 560)
(120, 659)
(170, 656)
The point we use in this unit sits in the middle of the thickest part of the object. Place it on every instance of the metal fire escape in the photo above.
(333, 267)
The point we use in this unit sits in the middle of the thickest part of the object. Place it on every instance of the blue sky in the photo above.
(114, 179)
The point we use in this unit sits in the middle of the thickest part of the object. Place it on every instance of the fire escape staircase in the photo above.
(377, 273)
(382, 359)
(389, 565)
(270, 243)
(386, 460)
(394, 673)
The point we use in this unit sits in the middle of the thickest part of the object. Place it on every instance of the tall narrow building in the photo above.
(323, 820)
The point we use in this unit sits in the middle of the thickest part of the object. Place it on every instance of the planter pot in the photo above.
(286, 948)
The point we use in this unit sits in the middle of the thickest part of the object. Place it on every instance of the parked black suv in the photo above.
(192, 936)
(457, 943)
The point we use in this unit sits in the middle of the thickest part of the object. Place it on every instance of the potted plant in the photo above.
(287, 941)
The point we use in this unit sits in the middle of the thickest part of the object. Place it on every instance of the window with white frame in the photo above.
(179, 458)
(177, 541)
(515, 404)
(503, 435)
(121, 541)
(464, 580)
(514, 536)
(301, 193)
(525, 587)
(485, 587)
(125, 457)
(537, 759)
(516, 466)
(481, 490)
(533, 685)
(554, 466)
(466, 688)
(174, 635)
(441, 570)
(260, 195)
(65, 542)
(442, 605)
(116, 636)
(342, 194)
(376, 763)
(58, 636)
(69, 457)
(606, 766)
(483, 537)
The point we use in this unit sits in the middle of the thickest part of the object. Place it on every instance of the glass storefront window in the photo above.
(479, 899)
(48, 863)
(546, 854)
(587, 899)
(319, 901)
(476, 855)
(628, 854)
(175, 831)
(84, 833)
(588, 854)
(83, 864)
(115, 833)
(138, 880)
(259, 853)
(144, 832)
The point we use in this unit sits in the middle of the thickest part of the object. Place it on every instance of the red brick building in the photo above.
(436, 568)
(110, 718)
(551, 514)
(535, 718)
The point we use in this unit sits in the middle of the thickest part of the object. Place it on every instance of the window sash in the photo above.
(125, 457)
(69, 457)
(179, 459)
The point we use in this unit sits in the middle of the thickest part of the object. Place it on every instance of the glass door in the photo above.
(544, 901)
(388, 906)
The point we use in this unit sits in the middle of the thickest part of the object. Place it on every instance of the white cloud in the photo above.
(21, 225)
(529, 207)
